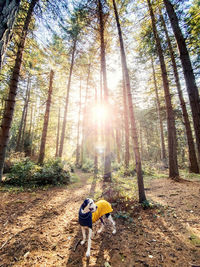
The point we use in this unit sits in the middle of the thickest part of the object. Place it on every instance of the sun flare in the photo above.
(99, 112)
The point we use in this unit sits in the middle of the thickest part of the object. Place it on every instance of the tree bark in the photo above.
(31, 122)
(19, 137)
(46, 120)
(32, 152)
(172, 142)
(188, 71)
(134, 136)
(78, 132)
(118, 144)
(193, 163)
(58, 133)
(141, 141)
(107, 161)
(126, 124)
(84, 118)
(25, 117)
(8, 13)
(95, 141)
(162, 140)
(9, 108)
(67, 101)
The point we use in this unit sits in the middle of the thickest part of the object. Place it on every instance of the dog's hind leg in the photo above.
(84, 235)
(102, 226)
(89, 242)
(109, 217)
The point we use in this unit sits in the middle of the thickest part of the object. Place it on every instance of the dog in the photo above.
(89, 213)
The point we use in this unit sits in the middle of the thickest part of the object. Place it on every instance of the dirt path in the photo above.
(40, 228)
(37, 227)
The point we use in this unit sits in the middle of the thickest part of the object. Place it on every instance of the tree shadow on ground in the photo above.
(80, 260)
(38, 225)
(19, 244)
(150, 240)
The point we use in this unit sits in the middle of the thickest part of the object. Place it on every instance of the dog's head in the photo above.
(89, 205)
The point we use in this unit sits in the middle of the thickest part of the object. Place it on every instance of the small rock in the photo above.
(26, 254)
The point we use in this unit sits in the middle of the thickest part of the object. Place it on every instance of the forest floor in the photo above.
(40, 227)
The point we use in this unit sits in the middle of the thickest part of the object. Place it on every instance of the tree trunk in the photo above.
(31, 122)
(101, 101)
(172, 142)
(193, 163)
(118, 144)
(162, 140)
(78, 132)
(126, 124)
(84, 119)
(141, 142)
(95, 141)
(107, 162)
(67, 101)
(9, 108)
(32, 152)
(8, 13)
(46, 120)
(188, 71)
(18, 145)
(25, 116)
(58, 133)
(142, 196)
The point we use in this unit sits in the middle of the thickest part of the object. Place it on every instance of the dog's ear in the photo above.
(85, 203)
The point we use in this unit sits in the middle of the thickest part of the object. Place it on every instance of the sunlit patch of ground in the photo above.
(40, 228)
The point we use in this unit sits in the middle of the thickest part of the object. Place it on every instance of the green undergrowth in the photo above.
(123, 187)
(189, 176)
(11, 188)
(126, 186)
(122, 193)
(26, 173)
(88, 166)
(195, 240)
(14, 189)
(74, 178)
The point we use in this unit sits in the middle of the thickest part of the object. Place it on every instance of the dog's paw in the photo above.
(88, 254)
(114, 232)
(82, 242)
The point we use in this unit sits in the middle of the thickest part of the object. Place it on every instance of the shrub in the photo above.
(12, 159)
(88, 166)
(52, 172)
(27, 173)
(20, 173)
(116, 166)
(131, 171)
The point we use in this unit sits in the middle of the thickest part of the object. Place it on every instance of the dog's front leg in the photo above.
(84, 235)
(89, 242)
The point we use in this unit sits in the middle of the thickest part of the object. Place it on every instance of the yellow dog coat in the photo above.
(103, 207)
